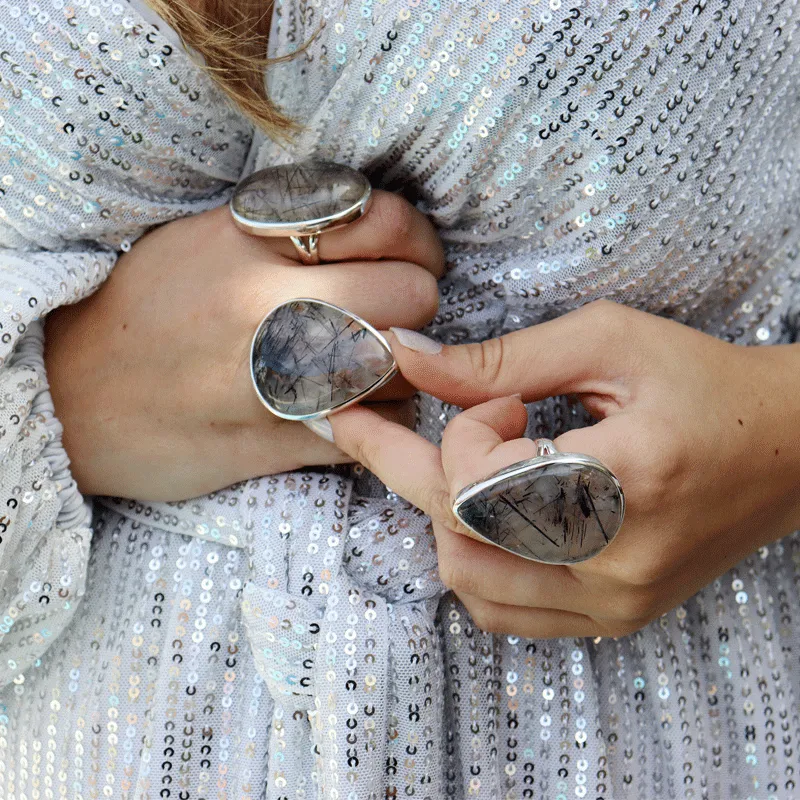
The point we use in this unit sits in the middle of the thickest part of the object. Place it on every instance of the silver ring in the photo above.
(310, 358)
(300, 201)
(558, 508)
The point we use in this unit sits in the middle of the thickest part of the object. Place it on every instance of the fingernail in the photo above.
(321, 427)
(416, 341)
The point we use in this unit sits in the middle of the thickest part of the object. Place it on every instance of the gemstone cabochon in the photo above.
(310, 358)
(559, 512)
(297, 193)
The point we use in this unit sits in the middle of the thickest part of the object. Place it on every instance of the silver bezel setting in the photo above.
(307, 227)
(578, 460)
(326, 412)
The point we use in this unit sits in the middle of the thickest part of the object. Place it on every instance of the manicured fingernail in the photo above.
(416, 341)
(321, 427)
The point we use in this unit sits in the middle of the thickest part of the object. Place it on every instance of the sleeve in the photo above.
(44, 521)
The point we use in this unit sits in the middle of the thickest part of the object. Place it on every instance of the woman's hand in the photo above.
(150, 376)
(703, 436)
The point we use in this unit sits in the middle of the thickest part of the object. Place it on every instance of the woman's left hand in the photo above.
(703, 436)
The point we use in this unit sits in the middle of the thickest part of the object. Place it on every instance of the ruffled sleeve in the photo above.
(107, 128)
(44, 521)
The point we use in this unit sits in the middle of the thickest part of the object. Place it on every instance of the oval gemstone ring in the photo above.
(300, 201)
(310, 358)
(559, 508)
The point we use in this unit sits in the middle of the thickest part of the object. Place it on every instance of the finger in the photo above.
(611, 441)
(308, 449)
(397, 389)
(484, 439)
(398, 412)
(618, 442)
(399, 291)
(588, 351)
(391, 229)
(404, 461)
(490, 573)
(530, 623)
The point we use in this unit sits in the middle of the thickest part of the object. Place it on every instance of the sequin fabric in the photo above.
(289, 637)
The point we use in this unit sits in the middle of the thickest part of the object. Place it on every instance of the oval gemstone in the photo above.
(310, 358)
(291, 194)
(558, 512)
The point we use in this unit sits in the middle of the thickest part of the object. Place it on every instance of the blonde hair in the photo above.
(231, 35)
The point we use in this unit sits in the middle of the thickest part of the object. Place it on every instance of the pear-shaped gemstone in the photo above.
(558, 512)
(310, 358)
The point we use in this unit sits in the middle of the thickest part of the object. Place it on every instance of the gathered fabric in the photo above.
(289, 637)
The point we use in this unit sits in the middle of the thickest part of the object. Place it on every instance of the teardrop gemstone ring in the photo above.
(310, 358)
(559, 508)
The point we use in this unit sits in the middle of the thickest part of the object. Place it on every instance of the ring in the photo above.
(558, 508)
(309, 358)
(301, 201)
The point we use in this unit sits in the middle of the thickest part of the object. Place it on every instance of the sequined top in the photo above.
(288, 637)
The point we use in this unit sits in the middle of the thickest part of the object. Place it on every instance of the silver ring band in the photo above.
(545, 447)
(307, 249)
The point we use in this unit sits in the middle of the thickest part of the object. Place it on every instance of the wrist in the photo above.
(66, 391)
(776, 400)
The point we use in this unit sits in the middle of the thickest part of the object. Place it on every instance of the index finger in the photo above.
(410, 465)
(484, 439)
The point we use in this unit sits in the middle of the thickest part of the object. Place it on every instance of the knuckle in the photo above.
(659, 464)
(486, 360)
(220, 221)
(671, 462)
(425, 296)
(456, 574)
(437, 504)
(637, 603)
(485, 618)
(364, 450)
(608, 319)
(602, 309)
(651, 493)
(393, 216)
(644, 574)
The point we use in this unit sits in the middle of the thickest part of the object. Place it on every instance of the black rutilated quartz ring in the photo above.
(310, 358)
(300, 201)
(558, 508)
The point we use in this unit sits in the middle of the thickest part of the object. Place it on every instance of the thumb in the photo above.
(581, 352)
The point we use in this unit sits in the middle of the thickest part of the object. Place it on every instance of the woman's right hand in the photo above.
(150, 375)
